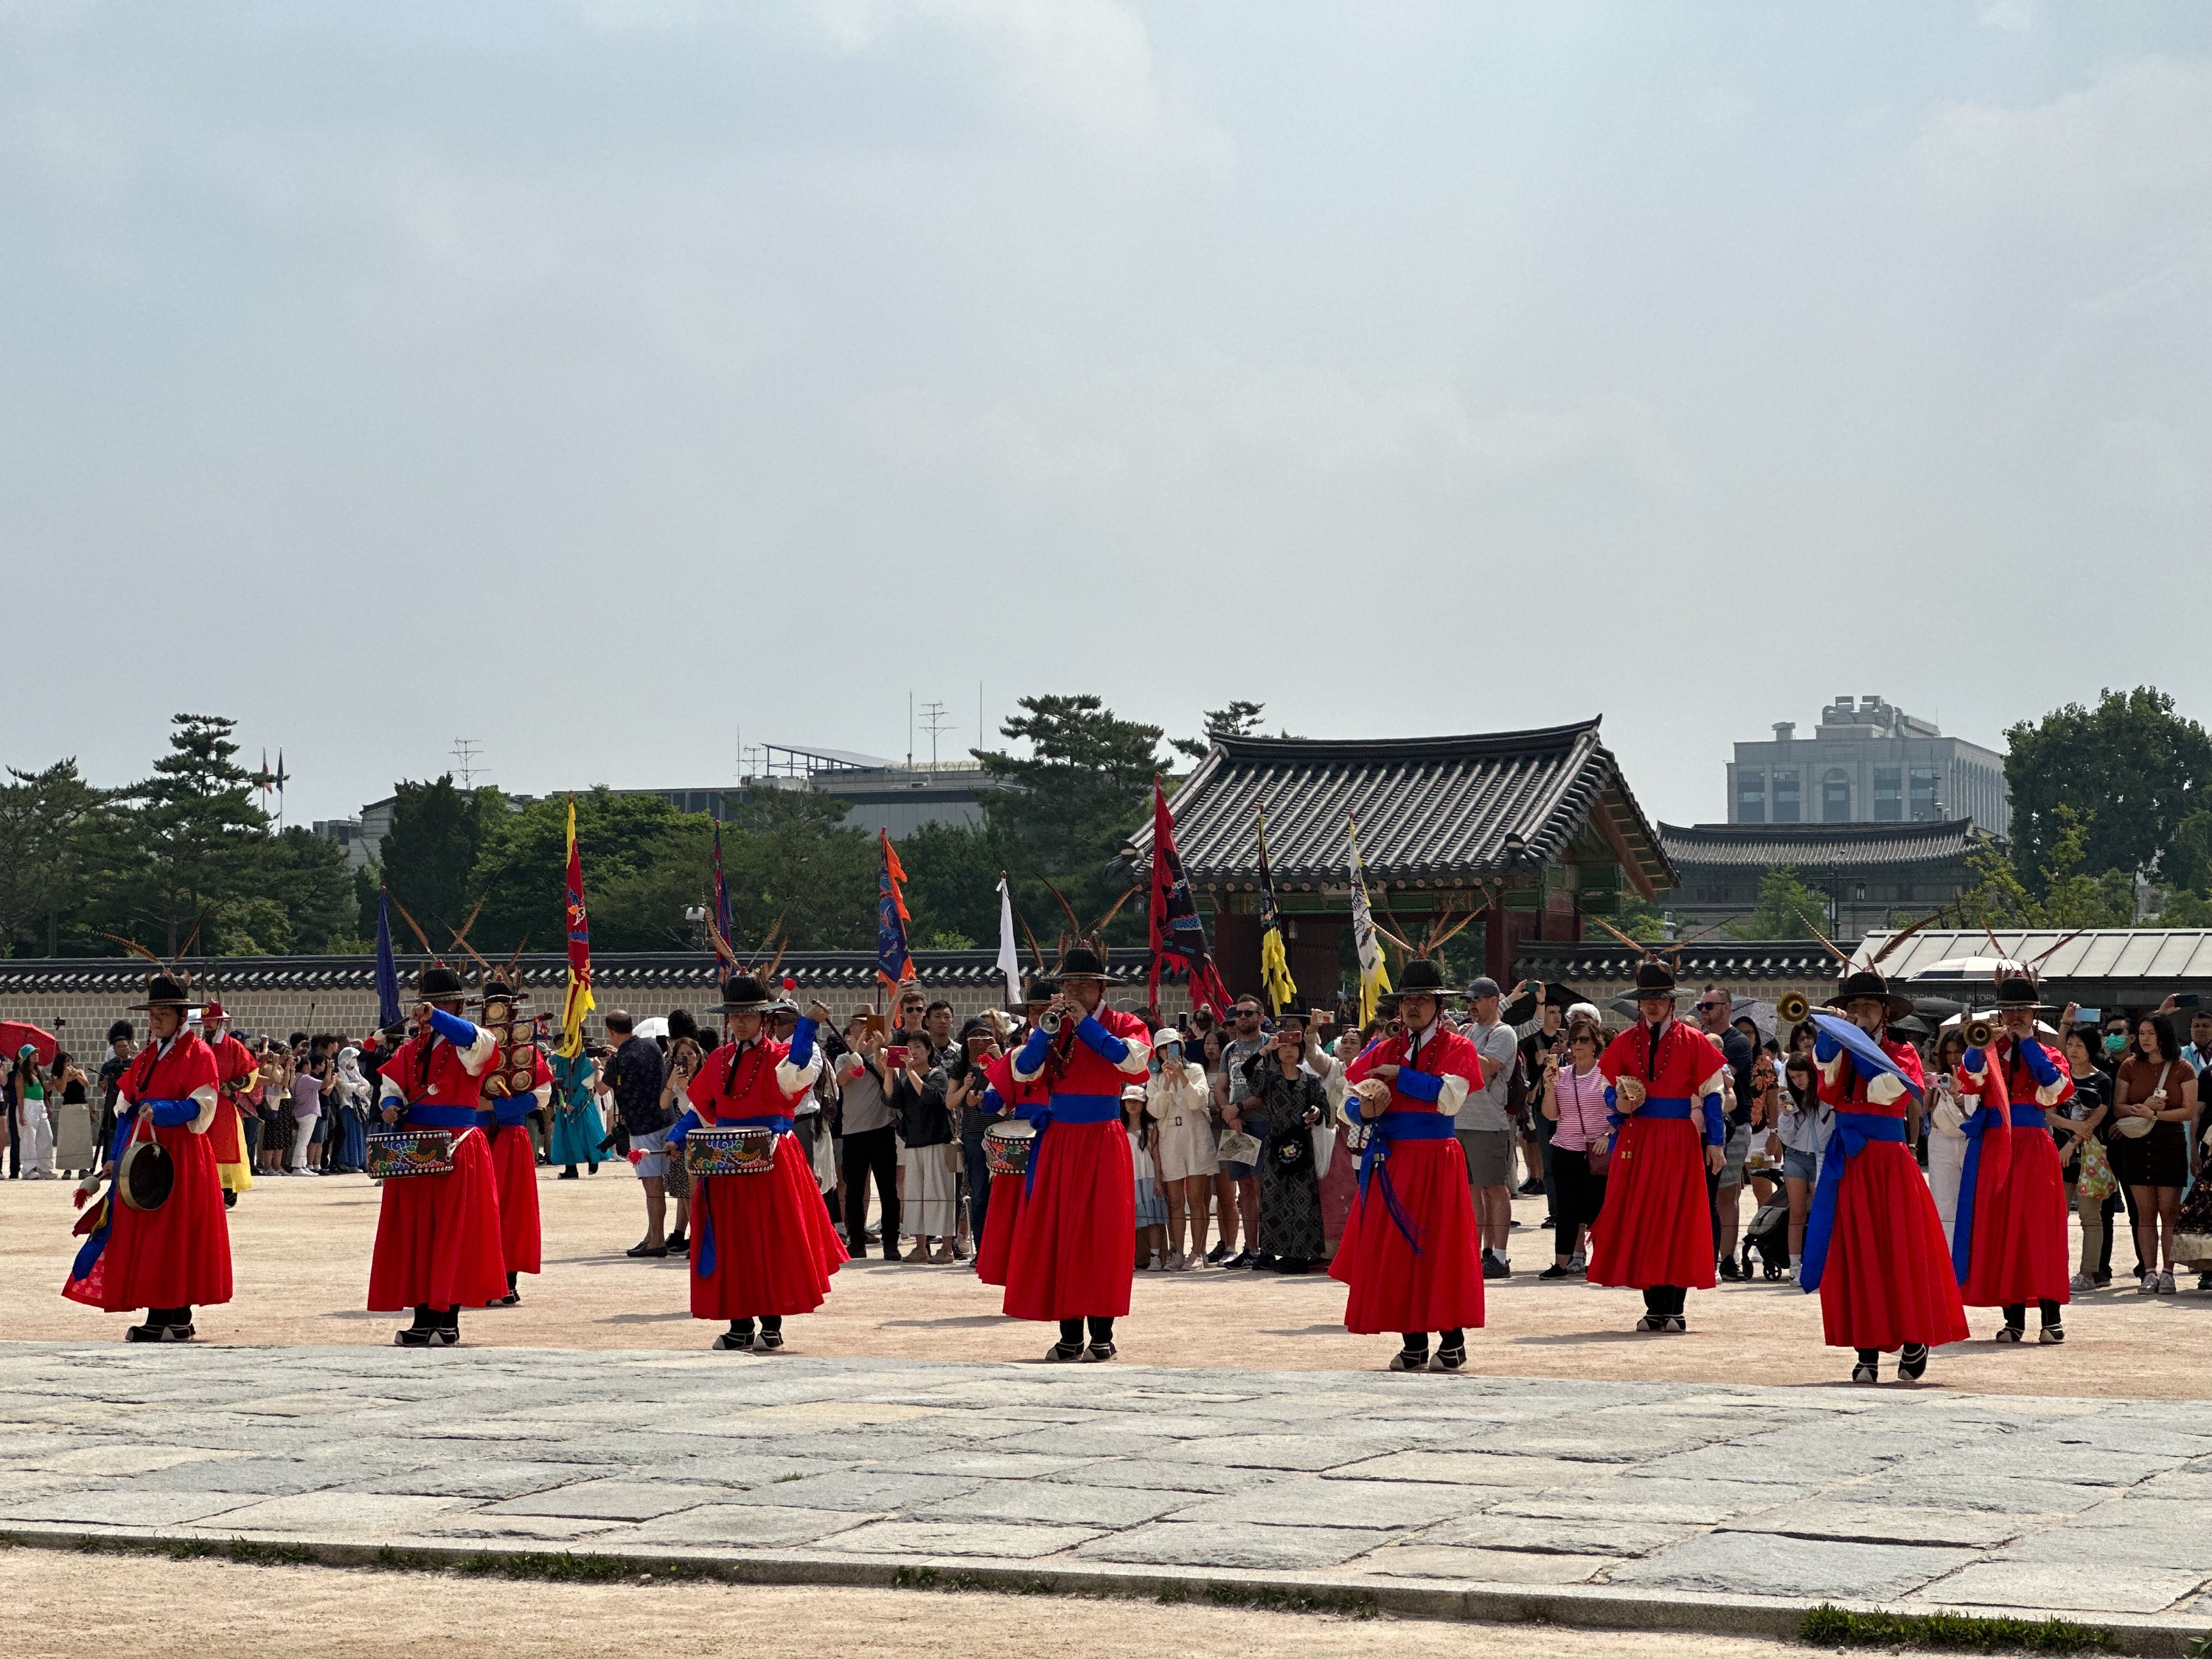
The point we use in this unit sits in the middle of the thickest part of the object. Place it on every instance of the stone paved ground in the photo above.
(1609, 1492)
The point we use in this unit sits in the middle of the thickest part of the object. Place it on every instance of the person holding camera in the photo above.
(1285, 1095)
(870, 1148)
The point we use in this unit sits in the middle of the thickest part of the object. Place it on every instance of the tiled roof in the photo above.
(841, 970)
(2158, 955)
(1818, 846)
(1780, 959)
(1430, 810)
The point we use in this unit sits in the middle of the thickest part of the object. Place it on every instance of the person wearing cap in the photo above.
(1873, 1243)
(176, 1256)
(438, 1245)
(2011, 1249)
(762, 1246)
(505, 1120)
(235, 1071)
(1071, 1261)
(1004, 1097)
(1663, 1087)
(1411, 1253)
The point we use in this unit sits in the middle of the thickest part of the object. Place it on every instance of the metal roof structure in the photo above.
(1818, 846)
(1431, 811)
(2160, 957)
(815, 970)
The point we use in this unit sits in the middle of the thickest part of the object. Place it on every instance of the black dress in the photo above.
(1289, 1192)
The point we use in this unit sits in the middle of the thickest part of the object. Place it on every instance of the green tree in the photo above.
(429, 855)
(2063, 892)
(193, 840)
(521, 869)
(789, 854)
(1240, 719)
(307, 878)
(46, 820)
(1640, 920)
(1073, 802)
(952, 885)
(1787, 908)
(2130, 771)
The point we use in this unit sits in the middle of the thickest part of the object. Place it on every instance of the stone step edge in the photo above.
(1590, 1607)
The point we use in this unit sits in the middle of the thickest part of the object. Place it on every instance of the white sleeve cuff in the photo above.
(795, 1080)
(1885, 1089)
(1713, 1085)
(206, 1097)
(2052, 1092)
(478, 1055)
(543, 1094)
(1452, 1094)
(1138, 1059)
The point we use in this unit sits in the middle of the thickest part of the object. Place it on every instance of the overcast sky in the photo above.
(616, 383)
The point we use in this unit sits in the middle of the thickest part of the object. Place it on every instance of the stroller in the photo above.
(1768, 1235)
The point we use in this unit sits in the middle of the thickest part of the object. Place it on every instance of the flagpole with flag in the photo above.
(387, 970)
(1274, 962)
(1010, 957)
(1177, 932)
(894, 960)
(1374, 972)
(578, 1001)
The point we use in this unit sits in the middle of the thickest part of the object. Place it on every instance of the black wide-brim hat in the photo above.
(1421, 977)
(499, 987)
(439, 983)
(165, 991)
(1082, 963)
(1868, 983)
(1655, 978)
(743, 993)
(2019, 990)
(1042, 987)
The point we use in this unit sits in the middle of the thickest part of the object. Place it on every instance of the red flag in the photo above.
(578, 1001)
(894, 962)
(1176, 931)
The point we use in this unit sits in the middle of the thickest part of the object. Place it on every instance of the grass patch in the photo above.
(1174, 1593)
(1350, 1604)
(936, 1579)
(1953, 1633)
(251, 1554)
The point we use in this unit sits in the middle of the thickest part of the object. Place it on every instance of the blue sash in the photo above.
(1063, 1109)
(2029, 1118)
(505, 1111)
(1982, 1119)
(417, 1114)
(1854, 1132)
(703, 1264)
(1668, 1108)
(1382, 1132)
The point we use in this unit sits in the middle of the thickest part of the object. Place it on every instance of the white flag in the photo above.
(1010, 959)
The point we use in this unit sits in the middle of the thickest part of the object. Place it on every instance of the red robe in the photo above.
(178, 1255)
(2020, 1224)
(1887, 1280)
(1656, 1227)
(1073, 1253)
(1003, 1214)
(760, 1244)
(438, 1235)
(234, 1066)
(1392, 1288)
(514, 1167)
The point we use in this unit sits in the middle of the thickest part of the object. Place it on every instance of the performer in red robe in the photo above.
(1072, 1255)
(1411, 1251)
(1873, 1245)
(437, 1235)
(1656, 1229)
(235, 1069)
(176, 1256)
(2018, 1239)
(762, 1244)
(1004, 1100)
(505, 1120)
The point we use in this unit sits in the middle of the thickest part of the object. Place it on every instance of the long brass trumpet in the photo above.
(1792, 1007)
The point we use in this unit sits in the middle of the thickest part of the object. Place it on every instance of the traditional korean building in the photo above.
(1534, 831)
(1868, 872)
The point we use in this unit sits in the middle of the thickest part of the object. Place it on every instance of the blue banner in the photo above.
(387, 970)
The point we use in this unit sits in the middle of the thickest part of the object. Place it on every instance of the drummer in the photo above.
(174, 1255)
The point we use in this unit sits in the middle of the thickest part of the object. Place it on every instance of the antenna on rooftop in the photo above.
(465, 751)
(935, 724)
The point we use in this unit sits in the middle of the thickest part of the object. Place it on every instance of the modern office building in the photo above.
(1868, 762)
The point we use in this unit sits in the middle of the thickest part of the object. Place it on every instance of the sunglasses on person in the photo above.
(1709, 1007)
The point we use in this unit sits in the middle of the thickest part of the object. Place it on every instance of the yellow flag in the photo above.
(1374, 972)
(578, 1001)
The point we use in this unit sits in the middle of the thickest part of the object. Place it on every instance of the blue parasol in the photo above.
(1872, 1062)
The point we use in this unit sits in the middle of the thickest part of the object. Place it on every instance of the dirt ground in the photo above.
(301, 1248)
(62, 1606)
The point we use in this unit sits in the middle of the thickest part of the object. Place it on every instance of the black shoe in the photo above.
(1098, 1352)
(1243, 1259)
(677, 1242)
(569, 1173)
(229, 1199)
(1677, 1324)
(149, 1334)
(1863, 1372)
(445, 1336)
(2051, 1333)
(1532, 1189)
(1729, 1269)
(727, 1343)
(1912, 1362)
(1494, 1267)
(654, 1251)
(1451, 1359)
(1061, 1353)
(415, 1336)
(1555, 1271)
(1652, 1322)
(1216, 1255)
(512, 1299)
(891, 1253)
(1263, 1262)
(769, 1341)
(1547, 1225)
(2011, 1332)
(1410, 1359)
(1293, 1264)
